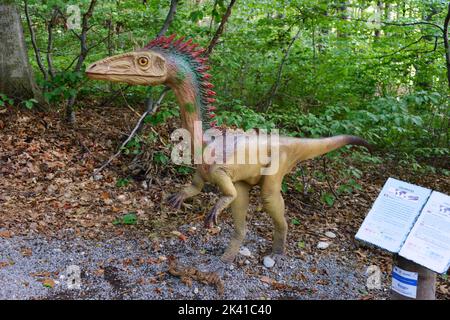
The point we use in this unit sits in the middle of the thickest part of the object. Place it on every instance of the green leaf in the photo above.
(129, 218)
(123, 182)
(295, 221)
(328, 198)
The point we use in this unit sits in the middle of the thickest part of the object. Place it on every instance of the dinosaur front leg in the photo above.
(239, 209)
(226, 186)
(176, 199)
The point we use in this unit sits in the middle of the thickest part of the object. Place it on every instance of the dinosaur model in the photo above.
(179, 65)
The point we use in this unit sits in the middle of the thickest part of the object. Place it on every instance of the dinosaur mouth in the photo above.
(133, 79)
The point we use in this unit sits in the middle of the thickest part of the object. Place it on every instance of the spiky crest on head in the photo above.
(189, 50)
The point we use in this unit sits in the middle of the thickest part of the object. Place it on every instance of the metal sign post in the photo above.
(411, 281)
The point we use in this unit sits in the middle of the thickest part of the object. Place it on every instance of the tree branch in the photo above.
(50, 26)
(446, 45)
(151, 108)
(70, 114)
(275, 86)
(36, 49)
(219, 30)
(169, 18)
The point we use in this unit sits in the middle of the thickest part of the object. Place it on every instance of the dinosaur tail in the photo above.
(311, 148)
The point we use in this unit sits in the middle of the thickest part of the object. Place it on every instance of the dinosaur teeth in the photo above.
(206, 76)
(210, 100)
(210, 93)
(213, 124)
(212, 115)
(211, 108)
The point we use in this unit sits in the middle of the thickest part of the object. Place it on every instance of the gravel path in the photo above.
(135, 269)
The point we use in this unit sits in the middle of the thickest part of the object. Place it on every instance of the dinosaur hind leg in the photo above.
(273, 204)
(239, 209)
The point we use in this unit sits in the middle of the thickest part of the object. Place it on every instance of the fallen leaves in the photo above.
(48, 283)
(178, 234)
(187, 274)
(283, 286)
(5, 234)
(26, 252)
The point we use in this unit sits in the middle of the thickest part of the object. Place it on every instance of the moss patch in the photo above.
(189, 107)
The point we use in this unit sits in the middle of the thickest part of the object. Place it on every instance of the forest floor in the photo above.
(54, 214)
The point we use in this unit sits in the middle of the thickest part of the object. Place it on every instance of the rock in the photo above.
(330, 235)
(97, 177)
(247, 262)
(323, 245)
(245, 252)
(196, 290)
(52, 189)
(268, 262)
(122, 198)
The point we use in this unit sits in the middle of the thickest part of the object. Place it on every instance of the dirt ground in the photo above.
(54, 214)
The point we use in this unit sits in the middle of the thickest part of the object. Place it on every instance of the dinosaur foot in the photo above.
(228, 257)
(211, 219)
(175, 200)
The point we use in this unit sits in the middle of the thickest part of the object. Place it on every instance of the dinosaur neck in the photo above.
(188, 99)
(193, 97)
(188, 79)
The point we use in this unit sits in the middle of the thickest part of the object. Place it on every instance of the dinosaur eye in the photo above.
(143, 61)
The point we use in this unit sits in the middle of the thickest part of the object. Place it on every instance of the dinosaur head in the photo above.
(176, 63)
(145, 67)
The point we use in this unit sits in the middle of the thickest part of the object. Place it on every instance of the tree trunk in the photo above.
(16, 76)
(446, 45)
(426, 284)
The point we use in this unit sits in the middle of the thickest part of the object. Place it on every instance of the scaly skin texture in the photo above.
(176, 64)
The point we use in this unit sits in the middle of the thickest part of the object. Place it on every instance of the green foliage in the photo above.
(183, 170)
(345, 74)
(30, 103)
(127, 219)
(123, 182)
(328, 198)
(4, 100)
(161, 116)
(134, 146)
(160, 158)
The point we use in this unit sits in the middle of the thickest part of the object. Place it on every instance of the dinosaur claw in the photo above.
(175, 200)
(210, 220)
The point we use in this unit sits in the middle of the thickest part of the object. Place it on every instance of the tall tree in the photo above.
(16, 75)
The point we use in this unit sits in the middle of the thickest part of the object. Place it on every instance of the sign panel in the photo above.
(393, 214)
(428, 243)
